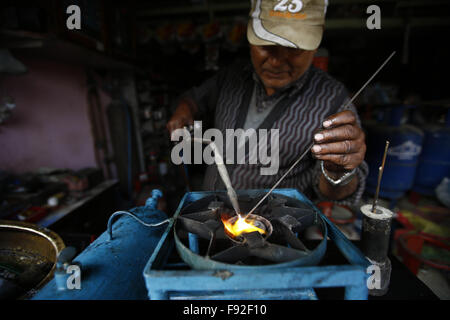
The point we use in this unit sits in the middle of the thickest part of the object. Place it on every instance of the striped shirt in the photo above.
(299, 111)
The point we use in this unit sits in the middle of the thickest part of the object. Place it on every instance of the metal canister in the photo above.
(376, 230)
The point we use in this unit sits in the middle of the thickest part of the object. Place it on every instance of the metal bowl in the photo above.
(28, 255)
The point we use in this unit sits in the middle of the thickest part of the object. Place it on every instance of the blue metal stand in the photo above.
(265, 283)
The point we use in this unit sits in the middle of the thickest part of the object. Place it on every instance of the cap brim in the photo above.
(304, 36)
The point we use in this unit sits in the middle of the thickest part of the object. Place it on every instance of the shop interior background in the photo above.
(83, 113)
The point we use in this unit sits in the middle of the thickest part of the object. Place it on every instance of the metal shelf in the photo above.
(387, 23)
(49, 46)
(57, 215)
(220, 6)
(176, 13)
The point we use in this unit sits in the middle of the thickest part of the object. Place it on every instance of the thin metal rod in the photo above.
(281, 179)
(312, 144)
(380, 174)
(370, 79)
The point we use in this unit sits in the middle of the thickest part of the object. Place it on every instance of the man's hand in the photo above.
(341, 144)
(182, 117)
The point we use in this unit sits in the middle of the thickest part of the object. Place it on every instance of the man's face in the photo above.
(278, 66)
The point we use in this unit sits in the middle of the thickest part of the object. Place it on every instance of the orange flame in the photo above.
(240, 226)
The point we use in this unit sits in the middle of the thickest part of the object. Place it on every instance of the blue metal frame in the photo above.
(267, 283)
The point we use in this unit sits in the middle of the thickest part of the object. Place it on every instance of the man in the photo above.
(281, 89)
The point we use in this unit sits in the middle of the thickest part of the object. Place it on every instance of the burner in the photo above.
(203, 242)
(257, 221)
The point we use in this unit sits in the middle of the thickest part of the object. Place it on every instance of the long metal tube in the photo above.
(223, 172)
(380, 174)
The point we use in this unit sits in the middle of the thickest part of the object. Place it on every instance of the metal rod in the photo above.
(281, 179)
(380, 174)
(312, 144)
(370, 79)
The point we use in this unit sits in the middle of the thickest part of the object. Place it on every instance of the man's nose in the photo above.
(277, 56)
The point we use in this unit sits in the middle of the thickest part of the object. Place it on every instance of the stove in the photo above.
(198, 258)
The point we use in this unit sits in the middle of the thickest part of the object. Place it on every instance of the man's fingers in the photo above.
(347, 161)
(338, 119)
(182, 117)
(346, 146)
(172, 125)
(341, 142)
(344, 132)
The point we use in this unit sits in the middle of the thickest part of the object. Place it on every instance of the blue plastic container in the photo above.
(434, 162)
(403, 155)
